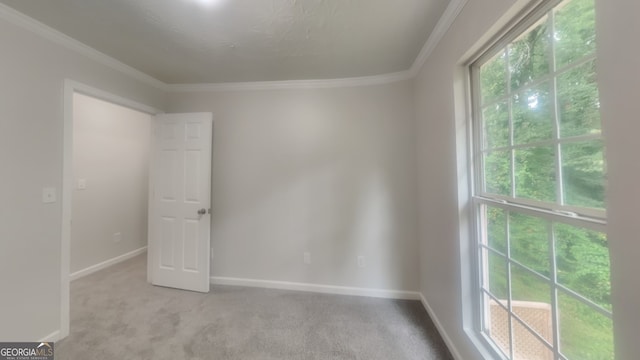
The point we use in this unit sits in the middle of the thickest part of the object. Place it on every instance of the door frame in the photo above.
(71, 87)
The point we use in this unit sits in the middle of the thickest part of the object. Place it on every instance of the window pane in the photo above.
(540, 145)
(498, 325)
(528, 287)
(578, 101)
(529, 55)
(575, 34)
(532, 304)
(532, 120)
(496, 125)
(497, 172)
(583, 174)
(526, 346)
(493, 78)
(497, 229)
(584, 333)
(497, 276)
(529, 240)
(535, 173)
(582, 258)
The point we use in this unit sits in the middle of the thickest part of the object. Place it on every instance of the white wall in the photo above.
(328, 171)
(442, 165)
(32, 72)
(619, 78)
(111, 154)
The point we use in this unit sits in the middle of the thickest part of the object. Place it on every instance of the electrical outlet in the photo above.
(82, 184)
(307, 258)
(49, 195)
(117, 237)
(361, 262)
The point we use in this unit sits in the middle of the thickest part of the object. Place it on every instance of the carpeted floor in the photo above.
(115, 314)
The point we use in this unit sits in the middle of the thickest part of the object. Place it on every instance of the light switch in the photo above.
(82, 184)
(49, 195)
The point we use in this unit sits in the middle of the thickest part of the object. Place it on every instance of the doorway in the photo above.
(109, 204)
(84, 183)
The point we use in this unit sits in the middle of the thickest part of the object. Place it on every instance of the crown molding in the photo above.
(444, 23)
(17, 18)
(446, 20)
(293, 84)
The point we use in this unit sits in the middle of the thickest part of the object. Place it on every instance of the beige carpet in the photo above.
(115, 314)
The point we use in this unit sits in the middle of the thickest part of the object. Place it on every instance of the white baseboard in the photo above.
(54, 336)
(443, 333)
(105, 264)
(325, 289)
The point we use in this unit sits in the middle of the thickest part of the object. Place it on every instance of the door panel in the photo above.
(179, 231)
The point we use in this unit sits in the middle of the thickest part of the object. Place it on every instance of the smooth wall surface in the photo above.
(32, 73)
(326, 171)
(619, 78)
(111, 154)
(443, 168)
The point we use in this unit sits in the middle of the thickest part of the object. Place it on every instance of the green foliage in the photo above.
(575, 34)
(532, 119)
(529, 240)
(582, 262)
(535, 173)
(496, 125)
(582, 258)
(584, 334)
(529, 56)
(517, 88)
(497, 171)
(578, 105)
(513, 85)
(493, 78)
(583, 173)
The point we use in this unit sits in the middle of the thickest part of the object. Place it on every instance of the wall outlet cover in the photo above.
(82, 184)
(49, 195)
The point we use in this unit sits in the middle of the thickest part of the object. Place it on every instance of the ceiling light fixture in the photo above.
(209, 3)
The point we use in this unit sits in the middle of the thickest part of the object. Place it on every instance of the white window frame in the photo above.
(588, 218)
(512, 33)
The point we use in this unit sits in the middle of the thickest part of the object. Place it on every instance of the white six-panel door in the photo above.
(180, 201)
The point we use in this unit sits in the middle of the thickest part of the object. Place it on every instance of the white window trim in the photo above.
(592, 219)
(478, 148)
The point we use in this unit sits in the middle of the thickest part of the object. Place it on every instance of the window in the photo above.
(539, 170)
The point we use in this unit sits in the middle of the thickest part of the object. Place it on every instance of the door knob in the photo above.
(202, 211)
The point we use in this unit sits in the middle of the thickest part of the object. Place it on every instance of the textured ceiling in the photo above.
(185, 41)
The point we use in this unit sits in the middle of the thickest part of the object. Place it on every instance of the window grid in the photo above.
(556, 136)
(509, 287)
(552, 212)
(549, 142)
(533, 332)
(542, 79)
(552, 281)
(487, 294)
(556, 141)
(554, 292)
(512, 151)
